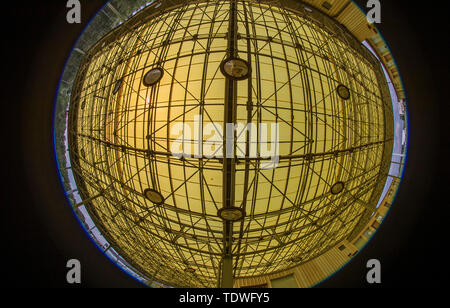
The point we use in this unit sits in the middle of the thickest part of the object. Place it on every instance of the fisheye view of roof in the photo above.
(226, 144)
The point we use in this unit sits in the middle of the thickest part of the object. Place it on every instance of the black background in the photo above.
(40, 233)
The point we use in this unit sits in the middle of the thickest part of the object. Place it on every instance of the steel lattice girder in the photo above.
(120, 136)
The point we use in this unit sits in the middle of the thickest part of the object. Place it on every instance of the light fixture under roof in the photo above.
(231, 213)
(337, 188)
(152, 77)
(154, 196)
(343, 92)
(235, 68)
(117, 86)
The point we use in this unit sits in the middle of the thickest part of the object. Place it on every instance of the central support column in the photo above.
(227, 272)
(229, 162)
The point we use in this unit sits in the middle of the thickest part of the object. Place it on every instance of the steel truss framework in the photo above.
(120, 133)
